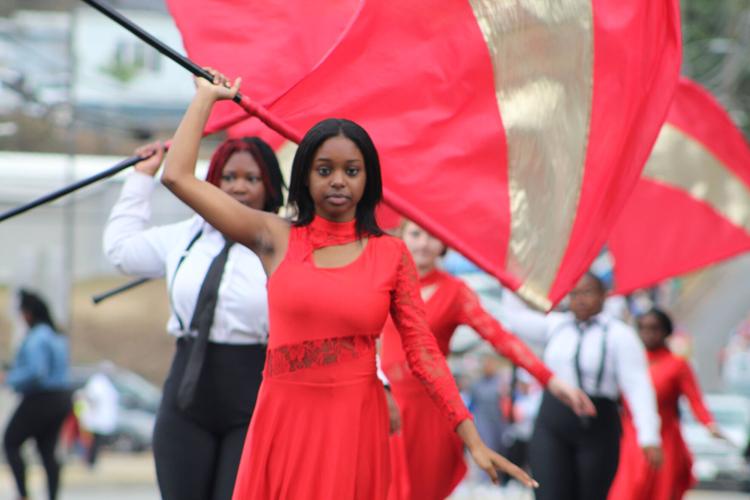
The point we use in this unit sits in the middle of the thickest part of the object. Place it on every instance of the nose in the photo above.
(238, 186)
(337, 179)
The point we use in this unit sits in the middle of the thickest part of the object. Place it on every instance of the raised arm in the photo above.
(264, 233)
(130, 244)
(429, 366)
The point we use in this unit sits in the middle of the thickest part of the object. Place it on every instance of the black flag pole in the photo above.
(96, 299)
(128, 162)
(251, 107)
(154, 42)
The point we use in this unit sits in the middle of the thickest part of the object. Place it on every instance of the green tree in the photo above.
(716, 52)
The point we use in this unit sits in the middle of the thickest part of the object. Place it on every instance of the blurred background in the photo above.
(78, 94)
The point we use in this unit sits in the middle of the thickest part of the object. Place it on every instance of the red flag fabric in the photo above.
(514, 131)
(252, 39)
(691, 207)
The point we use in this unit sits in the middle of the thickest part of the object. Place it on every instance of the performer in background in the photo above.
(672, 377)
(320, 429)
(434, 454)
(576, 457)
(219, 316)
(40, 374)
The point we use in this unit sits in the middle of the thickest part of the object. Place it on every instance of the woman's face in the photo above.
(242, 179)
(650, 331)
(337, 179)
(425, 249)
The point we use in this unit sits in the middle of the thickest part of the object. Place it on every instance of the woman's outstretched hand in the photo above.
(575, 398)
(220, 88)
(490, 461)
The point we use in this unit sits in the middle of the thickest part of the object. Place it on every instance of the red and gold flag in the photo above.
(691, 207)
(513, 130)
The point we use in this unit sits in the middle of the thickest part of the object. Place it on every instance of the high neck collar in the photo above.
(430, 277)
(325, 233)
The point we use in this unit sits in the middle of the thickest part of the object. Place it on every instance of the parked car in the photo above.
(717, 462)
(138, 404)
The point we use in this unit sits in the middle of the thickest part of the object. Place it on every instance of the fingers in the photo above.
(220, 86)
(515, 471)
(236, 86)
(586, 406)
(148, 150)
(492, 472)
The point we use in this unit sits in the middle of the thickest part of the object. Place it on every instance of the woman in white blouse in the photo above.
(217, 294)
(572, 457)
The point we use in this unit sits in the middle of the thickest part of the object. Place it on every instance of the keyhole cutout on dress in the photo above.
(427, 292)
(338, 255)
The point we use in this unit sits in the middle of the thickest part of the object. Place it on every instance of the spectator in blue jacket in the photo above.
(39, 374)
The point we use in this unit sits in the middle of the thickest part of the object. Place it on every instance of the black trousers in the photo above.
(39, 416)
(197, 451)
(574, 458)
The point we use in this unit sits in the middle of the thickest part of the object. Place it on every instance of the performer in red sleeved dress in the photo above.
(672, 377)
(320, 426)
(434, 454)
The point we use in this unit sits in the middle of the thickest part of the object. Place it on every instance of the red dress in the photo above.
(434, 454)
(320, 426)
(672, 378)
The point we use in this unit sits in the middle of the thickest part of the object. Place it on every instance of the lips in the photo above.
(338, 199)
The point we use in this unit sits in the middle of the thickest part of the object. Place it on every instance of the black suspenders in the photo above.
(602, 361)
(174, 275)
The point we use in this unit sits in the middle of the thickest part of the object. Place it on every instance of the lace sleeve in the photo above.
(507, 344)
(422, 353)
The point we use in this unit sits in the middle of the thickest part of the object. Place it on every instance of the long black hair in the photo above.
(36, 308)
(299, 192)
(665, 322)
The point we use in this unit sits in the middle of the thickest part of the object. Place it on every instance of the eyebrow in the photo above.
(323, 158)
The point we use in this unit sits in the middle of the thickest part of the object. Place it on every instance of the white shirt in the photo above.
(625, 364)
(102, 400)
(241, 315)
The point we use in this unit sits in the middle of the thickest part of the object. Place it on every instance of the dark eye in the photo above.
(227, 177)
(352, 171)
(323, 171)
(253, 179)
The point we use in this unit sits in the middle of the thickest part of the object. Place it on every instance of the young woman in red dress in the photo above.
(320, 426)
(672, 378)
(434, 454)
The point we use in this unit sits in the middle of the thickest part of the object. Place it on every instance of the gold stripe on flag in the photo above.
(683, 162)
(542, 56)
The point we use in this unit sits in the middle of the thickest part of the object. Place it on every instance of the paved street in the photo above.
(131, 477)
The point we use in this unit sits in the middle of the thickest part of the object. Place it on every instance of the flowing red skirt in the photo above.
(433, 451)
(318, 433)
(636, 479)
